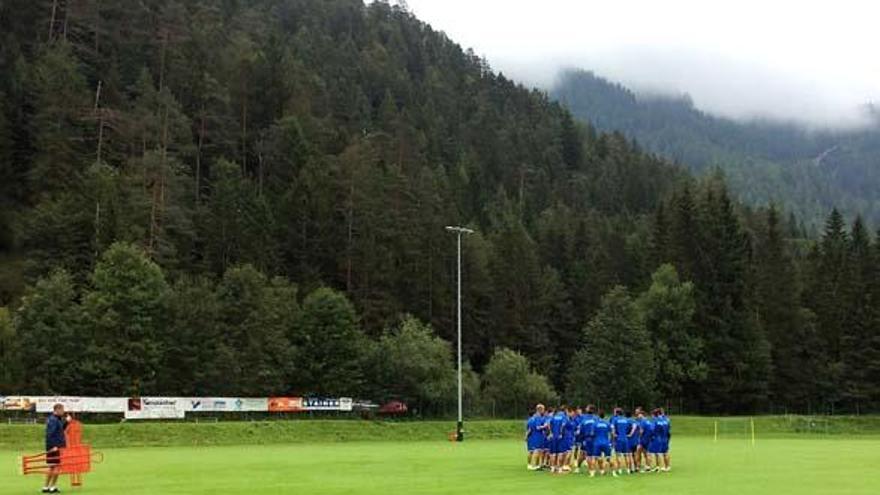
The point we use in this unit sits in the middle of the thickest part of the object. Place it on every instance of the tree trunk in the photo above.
(158, 206)
(199, 155)
(97, 25)
(162, 59)
(350, 246)
(52, 20)
(243, 127)
(100, 114)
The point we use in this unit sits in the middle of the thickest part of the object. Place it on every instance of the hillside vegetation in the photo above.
(248, 198)
(806, 171)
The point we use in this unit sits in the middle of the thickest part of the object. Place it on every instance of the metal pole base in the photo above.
(459, 432)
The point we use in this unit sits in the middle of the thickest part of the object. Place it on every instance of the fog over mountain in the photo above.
(790, 61)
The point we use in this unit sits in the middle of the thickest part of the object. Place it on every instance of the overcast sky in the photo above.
(811, 61)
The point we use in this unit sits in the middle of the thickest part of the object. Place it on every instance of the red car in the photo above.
(394, 407)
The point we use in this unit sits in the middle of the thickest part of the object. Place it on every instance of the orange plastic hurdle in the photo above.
(74, 460)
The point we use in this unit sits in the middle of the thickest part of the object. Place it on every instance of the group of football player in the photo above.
(563, 439)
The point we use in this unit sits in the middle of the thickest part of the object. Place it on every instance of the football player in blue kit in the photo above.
(535, 438)
(558, 423)
(646, 431)
(659, 446)
(620, 429)
(585, 431)
(633, 442)
(601, 445)
(568, 434)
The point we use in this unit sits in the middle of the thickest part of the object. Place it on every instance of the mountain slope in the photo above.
(809, 171)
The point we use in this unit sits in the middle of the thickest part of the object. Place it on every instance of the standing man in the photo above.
(633, 441)
(646, 431)
(568, 439)
(585, 430)
(620, 426)
(55, 441)
(662, 434)
(602, 445)
(535, 438)
(545, 430)
(576, 452)
(557, 441)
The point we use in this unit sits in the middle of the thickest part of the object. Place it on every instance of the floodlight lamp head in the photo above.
(459, 230)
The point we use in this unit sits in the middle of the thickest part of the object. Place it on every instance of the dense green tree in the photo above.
(59, 98)
(257, 320)
(414, 365)
(10, 369)
(191, 363)
(668, 309)
(827, 274)
(510, 386)
(126, 305)
(738, 374)
(332, 348)
(49, 329)
(615, 362)
(855, 345)
(789, 327)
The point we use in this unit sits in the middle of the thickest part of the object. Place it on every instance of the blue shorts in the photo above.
(567, 443)
(557, 445)
(587, 447)
(621, 446)
(633, 443)
(645, 441)
(602, 449)
(658, 446)
(534, 443)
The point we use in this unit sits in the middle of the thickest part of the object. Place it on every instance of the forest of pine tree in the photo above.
(806, 168)
(248, 197)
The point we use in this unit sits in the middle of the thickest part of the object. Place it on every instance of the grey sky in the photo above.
(814, 62)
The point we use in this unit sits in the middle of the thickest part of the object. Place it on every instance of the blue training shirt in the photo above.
(661, 427)
(557, 424)
(647, 427)
(588, 421)
(533, 424)
(570, 428)
(620, 423)
(633, 431)
(602, 432)
(55, 433)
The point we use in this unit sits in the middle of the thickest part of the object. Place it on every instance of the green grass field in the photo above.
(700, 466)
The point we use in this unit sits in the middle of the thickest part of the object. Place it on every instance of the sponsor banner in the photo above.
(154, 408)
(204, 404)
(18, 403)
(83, 404)
(285, 404)
(223, 404)
(251, 404)
(327, 404)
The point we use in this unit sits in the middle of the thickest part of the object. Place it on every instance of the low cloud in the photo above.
(790, 61)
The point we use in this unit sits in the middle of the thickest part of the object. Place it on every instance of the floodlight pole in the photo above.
(459, 432)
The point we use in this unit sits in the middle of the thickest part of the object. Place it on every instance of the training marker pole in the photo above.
(753, 431)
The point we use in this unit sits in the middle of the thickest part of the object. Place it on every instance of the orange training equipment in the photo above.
(75, 459)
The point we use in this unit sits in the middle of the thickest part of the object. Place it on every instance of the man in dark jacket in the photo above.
(55, 441)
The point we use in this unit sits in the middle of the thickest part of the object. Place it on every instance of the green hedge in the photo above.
(133, 434)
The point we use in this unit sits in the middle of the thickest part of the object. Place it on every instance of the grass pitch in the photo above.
(700, 466)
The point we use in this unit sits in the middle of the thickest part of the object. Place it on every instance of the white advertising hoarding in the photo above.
(154, 408)
(83, 404)
(223, 404)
